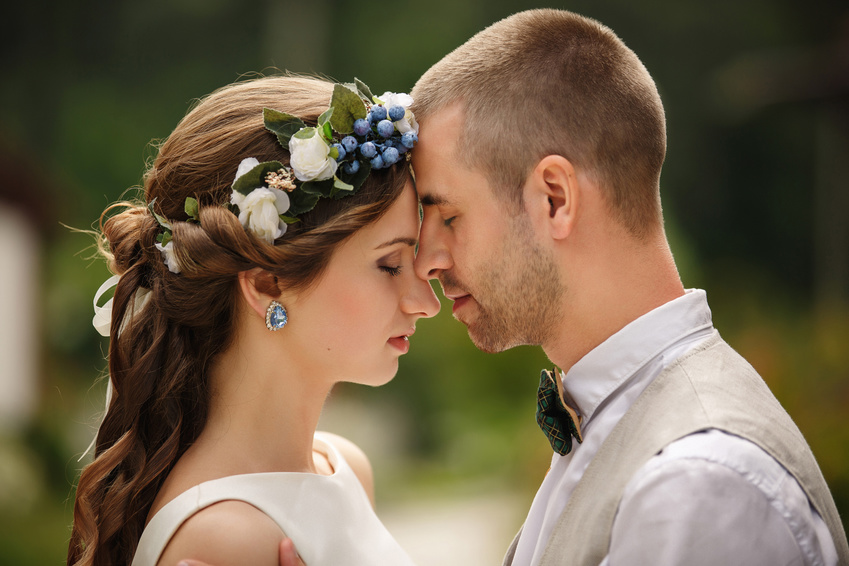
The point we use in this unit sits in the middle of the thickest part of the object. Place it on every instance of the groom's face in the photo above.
(477, 245)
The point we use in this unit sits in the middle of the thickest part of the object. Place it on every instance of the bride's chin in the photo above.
(384, 377)
(375, 378)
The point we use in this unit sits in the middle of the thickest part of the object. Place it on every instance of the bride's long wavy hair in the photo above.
(159, 357)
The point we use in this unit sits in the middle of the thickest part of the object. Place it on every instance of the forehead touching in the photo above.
(450, 185)
(435, 161)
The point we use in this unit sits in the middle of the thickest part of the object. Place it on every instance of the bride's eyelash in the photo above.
(394, 271)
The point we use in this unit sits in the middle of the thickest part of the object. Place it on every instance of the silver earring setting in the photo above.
(276, 316)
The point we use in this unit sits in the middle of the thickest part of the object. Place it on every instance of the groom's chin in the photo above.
(488, 341)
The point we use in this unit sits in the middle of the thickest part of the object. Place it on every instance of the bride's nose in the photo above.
(420, 299)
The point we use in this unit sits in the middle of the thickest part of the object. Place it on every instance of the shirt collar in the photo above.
(610, 364)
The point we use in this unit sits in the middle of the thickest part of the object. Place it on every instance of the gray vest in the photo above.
(691, 395)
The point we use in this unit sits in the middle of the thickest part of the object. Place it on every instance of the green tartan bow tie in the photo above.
(557, 420)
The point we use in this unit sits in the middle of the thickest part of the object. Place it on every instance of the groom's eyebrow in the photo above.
(409, 241)
(433, 200)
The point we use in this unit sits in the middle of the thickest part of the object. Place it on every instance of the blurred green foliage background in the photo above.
(755, 194)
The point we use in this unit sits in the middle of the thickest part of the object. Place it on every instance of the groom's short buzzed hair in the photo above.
(546, 82)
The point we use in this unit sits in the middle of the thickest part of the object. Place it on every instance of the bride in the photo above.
(271, 258)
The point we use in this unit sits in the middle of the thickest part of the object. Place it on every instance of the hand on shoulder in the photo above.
(357, 459)
(227, 533)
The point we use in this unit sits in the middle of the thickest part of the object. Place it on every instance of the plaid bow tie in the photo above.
(557, 420)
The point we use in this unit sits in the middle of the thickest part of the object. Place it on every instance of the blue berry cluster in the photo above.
(375, 140)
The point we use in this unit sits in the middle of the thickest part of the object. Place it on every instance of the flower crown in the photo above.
(358, 133)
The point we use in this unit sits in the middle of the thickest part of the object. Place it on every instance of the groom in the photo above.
(537, 167)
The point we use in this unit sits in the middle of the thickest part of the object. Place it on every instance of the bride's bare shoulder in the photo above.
(226, 533)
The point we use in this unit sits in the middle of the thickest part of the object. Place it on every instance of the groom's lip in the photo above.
(459, 301)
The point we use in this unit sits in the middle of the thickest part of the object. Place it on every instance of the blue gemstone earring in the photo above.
(275, 317)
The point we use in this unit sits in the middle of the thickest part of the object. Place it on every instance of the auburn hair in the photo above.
(160, 355)
(551, 82)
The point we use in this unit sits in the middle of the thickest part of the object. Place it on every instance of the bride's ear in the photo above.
(254, 285)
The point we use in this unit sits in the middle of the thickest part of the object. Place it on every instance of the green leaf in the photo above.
(282, 124)
(324, 124)
(355, 180)
(334, 152)
(301, 202)
(255, 178)
(342, 185)
(325, 117)
(164, 238)
(340, 189)
(347, 107)
(192, 208)
(365, 91)
(321, 188)
(305, 133)
(289, 219)
(159, 219)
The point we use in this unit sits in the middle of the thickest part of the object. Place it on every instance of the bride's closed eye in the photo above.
(391, 263)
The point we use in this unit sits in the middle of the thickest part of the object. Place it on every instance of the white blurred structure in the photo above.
(19, 316)
(455, 531)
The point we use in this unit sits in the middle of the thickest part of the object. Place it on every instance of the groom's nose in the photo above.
(434, 255)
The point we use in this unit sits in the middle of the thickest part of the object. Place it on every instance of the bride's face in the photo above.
(357, 319)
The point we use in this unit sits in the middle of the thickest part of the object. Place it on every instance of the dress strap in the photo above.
(164, 524)
(260, 490)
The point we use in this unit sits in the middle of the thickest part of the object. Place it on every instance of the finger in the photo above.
(288, 554)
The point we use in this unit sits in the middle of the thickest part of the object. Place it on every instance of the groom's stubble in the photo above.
(517, 290)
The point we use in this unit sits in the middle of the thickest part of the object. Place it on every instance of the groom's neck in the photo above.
(608, 284)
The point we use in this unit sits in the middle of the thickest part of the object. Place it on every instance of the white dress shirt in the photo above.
(706, 498)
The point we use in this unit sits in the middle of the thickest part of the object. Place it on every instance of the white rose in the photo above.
(390, 99)
(169, 256)
(310, 157)
(408, 122)
(260, 211)
(245, 166)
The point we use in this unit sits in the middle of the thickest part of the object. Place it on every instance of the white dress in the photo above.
(329, 518)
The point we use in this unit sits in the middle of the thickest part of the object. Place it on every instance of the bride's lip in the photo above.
(402, 341)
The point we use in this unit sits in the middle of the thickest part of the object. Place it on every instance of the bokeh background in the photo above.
(755, 193)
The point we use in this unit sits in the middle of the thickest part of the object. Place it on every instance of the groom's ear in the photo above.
(552, 196)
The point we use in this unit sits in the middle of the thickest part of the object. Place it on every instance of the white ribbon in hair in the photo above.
(102, 322)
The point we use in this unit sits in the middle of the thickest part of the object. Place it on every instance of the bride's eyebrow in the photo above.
(402, 240)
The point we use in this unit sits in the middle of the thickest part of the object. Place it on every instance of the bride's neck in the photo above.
(263, 410)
